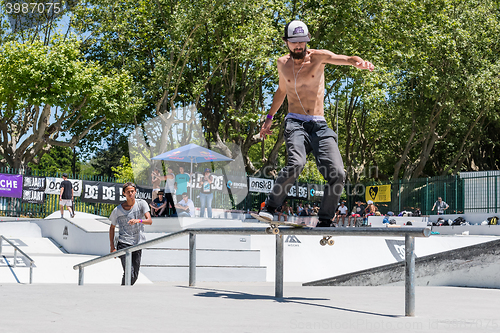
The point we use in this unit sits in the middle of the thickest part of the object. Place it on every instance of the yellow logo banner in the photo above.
(379, 193)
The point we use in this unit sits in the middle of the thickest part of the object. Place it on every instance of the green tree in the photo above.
(56, 160)
(49, 90)
(446, 65)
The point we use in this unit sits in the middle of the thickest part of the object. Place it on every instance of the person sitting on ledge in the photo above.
(158, 205)
(185, 206)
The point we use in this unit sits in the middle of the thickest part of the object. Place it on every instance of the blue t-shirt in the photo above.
(182, 180)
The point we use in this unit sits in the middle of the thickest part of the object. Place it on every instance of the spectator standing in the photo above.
(130, 217)
(174, 197)
(156, 181)
(206, 194)
(182, 180)
(66, 196)
(441, 206)
(169, 179)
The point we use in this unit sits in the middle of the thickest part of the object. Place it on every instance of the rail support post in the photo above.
(409, 276)
(128, 268)
(278, 287)
(80, 275)
(192, 259)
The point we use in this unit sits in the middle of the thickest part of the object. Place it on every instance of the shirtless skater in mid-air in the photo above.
(302, 81)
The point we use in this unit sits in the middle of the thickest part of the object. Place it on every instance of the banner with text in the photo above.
(379, 193)
(237, 185)
(34, 189)
(11, 185)
(316, 192)
(260, 185)
(143, 193)
(217, 184)
(53, 186)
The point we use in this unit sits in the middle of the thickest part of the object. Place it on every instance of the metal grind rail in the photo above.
(16, 249)
(409, 233)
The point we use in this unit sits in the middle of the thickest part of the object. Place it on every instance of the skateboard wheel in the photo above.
(276, 231)
(268, 230)
(331, 242)
(322, 242)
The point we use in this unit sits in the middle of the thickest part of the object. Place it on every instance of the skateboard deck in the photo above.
(273, 228)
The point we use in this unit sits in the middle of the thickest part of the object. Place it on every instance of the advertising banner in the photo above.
(260, 185)
(298, 191)
(379, 193)
(142, 193)
(11, 185)
(34, 183)
(33, 189)
(32, 196)
(316, 192)
(102, 192)
(217, 184)
(53, 186)
(237, 185)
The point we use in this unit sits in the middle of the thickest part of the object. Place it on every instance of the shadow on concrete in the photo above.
(209, 292)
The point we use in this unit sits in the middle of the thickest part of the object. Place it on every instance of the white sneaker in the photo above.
(266, 215)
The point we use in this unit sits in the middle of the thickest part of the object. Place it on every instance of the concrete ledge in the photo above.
(471, 266)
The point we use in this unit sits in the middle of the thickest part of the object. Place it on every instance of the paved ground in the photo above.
(242, 307)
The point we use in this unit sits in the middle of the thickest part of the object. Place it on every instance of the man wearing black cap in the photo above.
(66, 196)
(302, 81)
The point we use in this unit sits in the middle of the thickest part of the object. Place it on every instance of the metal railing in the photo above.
(16, 249)
(408, 232)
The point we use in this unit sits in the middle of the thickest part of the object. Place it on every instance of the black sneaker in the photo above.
(324, 223)
(267, 213)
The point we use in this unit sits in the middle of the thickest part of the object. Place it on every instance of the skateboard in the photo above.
(273, 229)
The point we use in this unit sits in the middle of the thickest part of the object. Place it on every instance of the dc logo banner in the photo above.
(99, 192)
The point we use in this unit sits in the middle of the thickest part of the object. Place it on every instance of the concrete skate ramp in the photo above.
(471, 266)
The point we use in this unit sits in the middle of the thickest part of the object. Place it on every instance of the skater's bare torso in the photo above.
(302, 81)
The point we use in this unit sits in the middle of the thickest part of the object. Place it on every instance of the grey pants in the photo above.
(301, 138)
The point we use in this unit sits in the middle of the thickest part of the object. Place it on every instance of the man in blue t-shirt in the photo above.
(182, 180)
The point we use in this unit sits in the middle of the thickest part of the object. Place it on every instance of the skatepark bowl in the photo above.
(408, 233)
